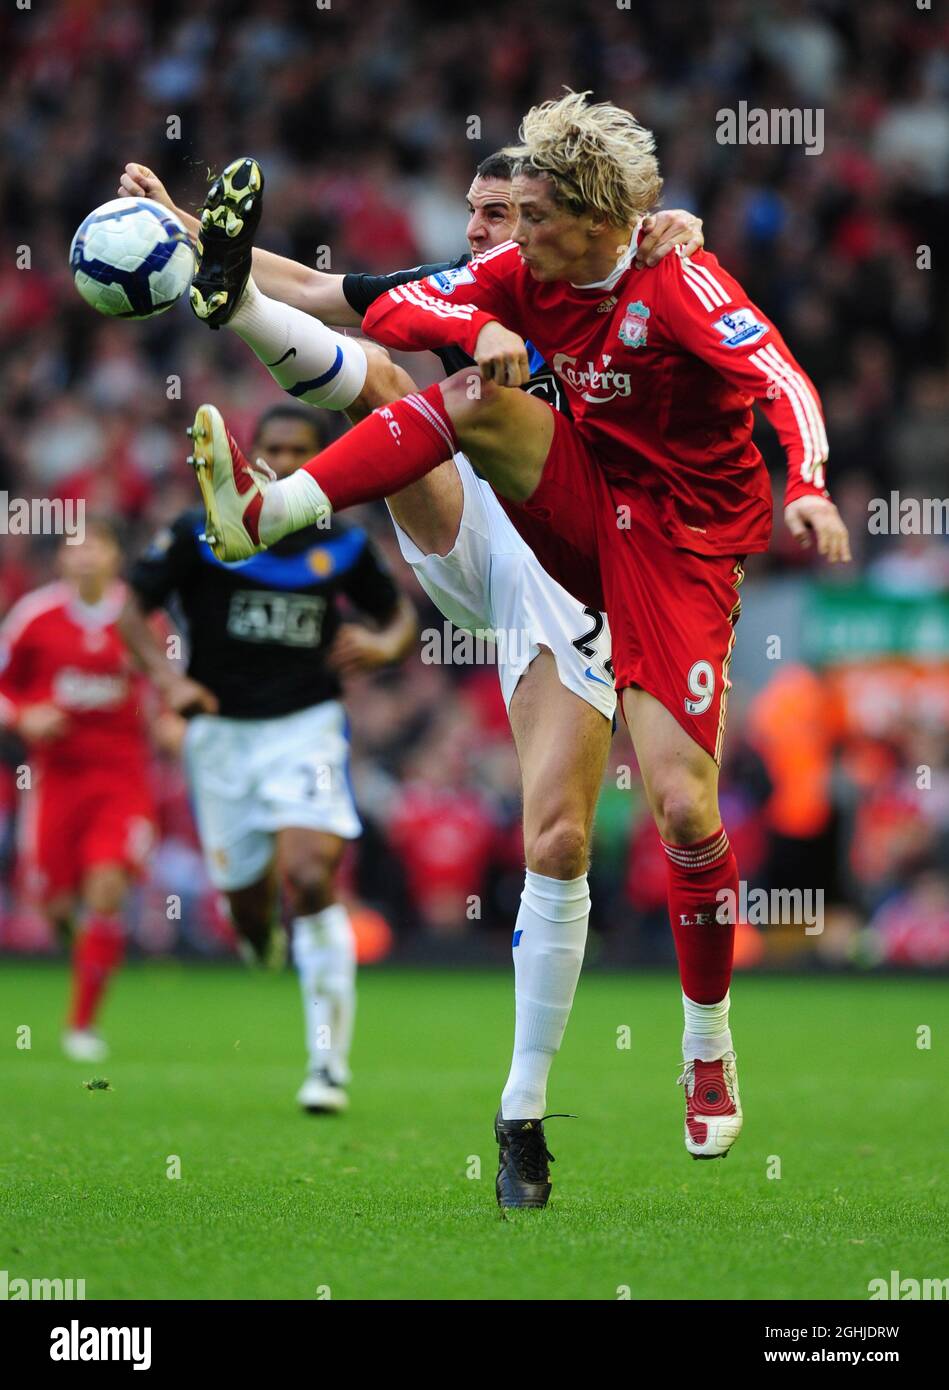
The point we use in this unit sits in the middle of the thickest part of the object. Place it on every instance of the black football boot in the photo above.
(523, 1163)
(229, 219)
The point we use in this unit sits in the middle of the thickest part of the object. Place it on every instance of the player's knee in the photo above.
(104, 890)
(385, 382)
(469, 400)
(686, 810)
(558, 849)
(308, 885)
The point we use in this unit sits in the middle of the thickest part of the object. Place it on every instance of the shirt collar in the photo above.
(101, 614)
(622, 265)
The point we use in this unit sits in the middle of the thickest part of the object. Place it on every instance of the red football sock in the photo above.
(394, 446)
(96, 955)
(704, 940)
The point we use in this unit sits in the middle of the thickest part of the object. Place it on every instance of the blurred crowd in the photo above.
(368, 119)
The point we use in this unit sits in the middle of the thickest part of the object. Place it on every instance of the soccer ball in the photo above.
(131, 258)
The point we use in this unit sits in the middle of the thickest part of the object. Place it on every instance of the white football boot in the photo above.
(231, 488)
(321, 1095)
(83, 1045)
(713, 1115)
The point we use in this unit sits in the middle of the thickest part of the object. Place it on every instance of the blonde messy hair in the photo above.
(599, 158)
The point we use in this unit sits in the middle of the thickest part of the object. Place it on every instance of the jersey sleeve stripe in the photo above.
(813, 409)
(700, 280)
(494, 251)
(792, 380)
(715, 287)
(710, 295)
(696, 289)
(442, 308)
(774, 374)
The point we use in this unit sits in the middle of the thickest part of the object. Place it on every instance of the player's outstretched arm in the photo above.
(707, 311)
(278, 277)
(448, 311)
(181, 694)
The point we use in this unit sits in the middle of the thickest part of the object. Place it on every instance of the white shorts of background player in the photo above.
(491, 579)
(252, 777)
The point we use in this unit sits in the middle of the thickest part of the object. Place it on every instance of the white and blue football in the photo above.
(131, 258)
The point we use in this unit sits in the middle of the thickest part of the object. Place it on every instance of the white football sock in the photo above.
(290, 504)
(310, 361)
(707, 1036)
(324, 953)
(549, 937)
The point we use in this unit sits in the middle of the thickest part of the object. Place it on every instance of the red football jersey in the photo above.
(661, 368)
(55, 649)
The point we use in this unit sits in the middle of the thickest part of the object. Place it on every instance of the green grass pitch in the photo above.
(379, 1204)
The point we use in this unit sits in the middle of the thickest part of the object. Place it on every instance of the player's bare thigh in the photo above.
(429, 511)
(505, 432)
(562, 745)
(679, 777)
(306, 862)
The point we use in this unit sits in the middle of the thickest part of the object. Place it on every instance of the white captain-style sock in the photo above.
(549, 939)
(707, 1036)
(290, 504)
(311, 362)
(324, 953)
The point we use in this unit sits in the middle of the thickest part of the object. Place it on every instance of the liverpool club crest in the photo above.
(633, 329)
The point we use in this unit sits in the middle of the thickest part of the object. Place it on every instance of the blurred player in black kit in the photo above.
(266, 746)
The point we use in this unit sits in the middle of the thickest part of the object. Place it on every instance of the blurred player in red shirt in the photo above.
(86, 819)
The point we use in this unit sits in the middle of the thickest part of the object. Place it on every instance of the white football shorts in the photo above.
(252, 777)
(492, 582)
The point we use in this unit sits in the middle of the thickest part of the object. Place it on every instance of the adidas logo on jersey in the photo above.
(605, 305)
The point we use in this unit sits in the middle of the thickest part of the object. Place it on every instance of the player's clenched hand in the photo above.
(662, 231)
(138, 181)
(41, 723)
(502, 356)
(817, 517)
(356, 648)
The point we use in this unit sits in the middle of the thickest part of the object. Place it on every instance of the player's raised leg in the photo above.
(507, 435)
(562, 745)
(310, 361)
(681, 782)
